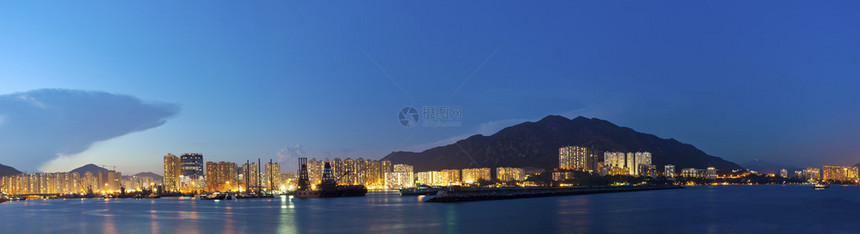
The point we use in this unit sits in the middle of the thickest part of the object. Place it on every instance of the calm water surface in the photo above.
(705, 209)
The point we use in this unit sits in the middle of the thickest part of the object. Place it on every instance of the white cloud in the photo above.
(288, 157)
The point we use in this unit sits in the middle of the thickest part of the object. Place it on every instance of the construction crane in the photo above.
(341, 177)
(113, 168)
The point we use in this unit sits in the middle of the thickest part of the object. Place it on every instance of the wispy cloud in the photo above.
(41, 125)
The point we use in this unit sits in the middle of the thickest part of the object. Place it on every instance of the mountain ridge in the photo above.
(89, 168)
(535, 144)
(7, 170)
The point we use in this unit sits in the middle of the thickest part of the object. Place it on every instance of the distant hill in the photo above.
(148, 174)
(7, 170)
(536, 144)
(89, 167)
(761, 166)
(857, 165)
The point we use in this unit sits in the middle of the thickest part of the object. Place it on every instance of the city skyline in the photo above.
(234, 87)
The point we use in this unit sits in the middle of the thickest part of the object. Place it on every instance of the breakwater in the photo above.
(482, 194)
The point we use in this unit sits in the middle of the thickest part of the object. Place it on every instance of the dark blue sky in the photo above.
(775, 80)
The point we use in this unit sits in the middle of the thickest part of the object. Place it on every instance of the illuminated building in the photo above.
(711, 173)
(441, 178)
(221, 176)
(138, 183)
(360, 171)
(370, 173)
(272, 176)
(647, 170)
(349, 165)
(472, 175)
(577, 158)
(631, 163)
(114, 181)
(617, 171)
(172, 171)
(211, 176)
(251, 176)
(839, 173)
(669, 171)
(192, 177)
(692, 173)
(636, 164)
(452, 176)
(812, 173)
(192, 165)
(90, 182)
(783, 173)
(562, 175)
(565, 157)
(377, 173)
(425, 178)
(59, 183)
(401, 176)
(614, 159)
(643, 162)
(509, 174)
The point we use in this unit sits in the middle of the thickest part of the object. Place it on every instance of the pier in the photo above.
(482, 194)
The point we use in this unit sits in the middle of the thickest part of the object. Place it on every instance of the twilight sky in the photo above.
(123, 83)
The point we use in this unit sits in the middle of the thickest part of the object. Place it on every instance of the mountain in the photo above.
(765, 167)
(148, 174)
(7, 170)
(89, 167)
(857, 165)
(536, 144)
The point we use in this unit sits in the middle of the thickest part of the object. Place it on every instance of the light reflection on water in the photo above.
(693, 210)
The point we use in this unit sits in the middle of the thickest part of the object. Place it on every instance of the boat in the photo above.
(328, 188)
(419, 191)
(818, 186)
(337, 191)
(217, 196)
(254, 195)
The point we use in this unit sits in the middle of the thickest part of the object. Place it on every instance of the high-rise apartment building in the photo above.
(251, 176)
(711, 173)
(669, 171)
(472, 175)
(510, 174)
(272, 176)
(577, 158)
(839, 173)
(812, 173)
(221, 176)
(192, 165)
(643, 160)
(401, 176)
(172, 171)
